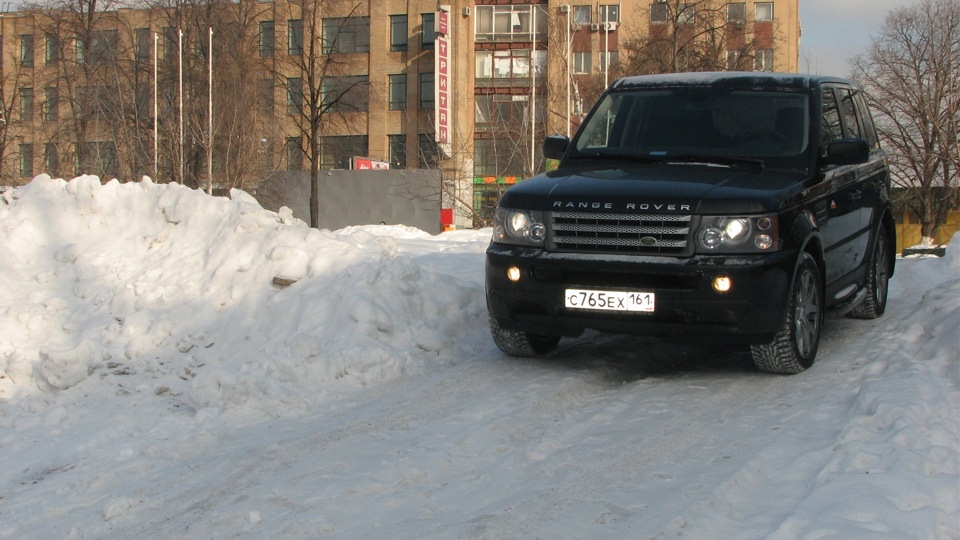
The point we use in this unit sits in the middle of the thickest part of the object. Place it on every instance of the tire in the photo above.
(878, 280)
(794, 348)
(517, 343)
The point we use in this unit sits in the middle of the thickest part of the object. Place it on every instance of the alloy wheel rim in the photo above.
(806, 314)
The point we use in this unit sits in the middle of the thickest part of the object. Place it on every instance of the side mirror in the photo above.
(847, 152)
(555, 146)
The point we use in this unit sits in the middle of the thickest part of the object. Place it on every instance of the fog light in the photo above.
(763, 241)
(722, 284)
(513, 274)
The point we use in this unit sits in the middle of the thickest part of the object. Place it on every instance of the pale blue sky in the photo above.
(834, 31)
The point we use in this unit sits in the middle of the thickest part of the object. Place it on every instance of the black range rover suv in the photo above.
(727, 207)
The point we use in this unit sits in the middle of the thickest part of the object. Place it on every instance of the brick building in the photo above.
(81, 98)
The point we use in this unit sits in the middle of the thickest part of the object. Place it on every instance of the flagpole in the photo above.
(210, 114)
(156, 120)
(180, 55)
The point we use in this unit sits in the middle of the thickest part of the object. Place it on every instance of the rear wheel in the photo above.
(794, 348)
(517, 343)
(878, 279)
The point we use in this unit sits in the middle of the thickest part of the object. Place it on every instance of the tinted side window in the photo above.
(830, 129)
(848, 111)
(869, 131)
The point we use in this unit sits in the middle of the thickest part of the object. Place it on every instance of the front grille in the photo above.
(592, 232)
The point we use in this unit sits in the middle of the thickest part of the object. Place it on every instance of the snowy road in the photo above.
(239, 427)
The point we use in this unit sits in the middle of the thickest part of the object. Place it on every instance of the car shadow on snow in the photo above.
(621, 358)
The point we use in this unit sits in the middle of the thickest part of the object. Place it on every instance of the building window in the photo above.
(295, 37)
(428, 30)
(346, 35)
(265, 100)
(99, 158)
(171, 39)
(610, 13)
(510, 23)
(687, 14)
(427, 97)
(51, 102)
(103, 47)
(398, 151)
(398, 32)
(294, 152)
(501, 110)
(733, 60)
(267, 39)
(26, 50)
(294, 95)
(335, 152)
(497, 157)
(52, 53)
(429, 156)
(763, 11)
(508, 64)
(764, 60)
(608, 60)
(265, 151)
(345, 94)
(736, 12)
(26, 104)
(659, 12)
(582, 62)
(398, 92)
(143, 45)
(582, 14)
(26, 160)
(51, 159)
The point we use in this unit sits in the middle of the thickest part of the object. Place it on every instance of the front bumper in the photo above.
(686, 304)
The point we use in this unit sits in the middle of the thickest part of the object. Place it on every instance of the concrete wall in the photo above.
(395, 197)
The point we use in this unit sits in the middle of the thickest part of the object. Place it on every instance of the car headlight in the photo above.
(722, 234)
(520, 227)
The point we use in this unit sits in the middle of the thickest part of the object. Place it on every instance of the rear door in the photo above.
(874, 174)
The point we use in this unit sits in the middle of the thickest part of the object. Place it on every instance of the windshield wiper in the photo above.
(621, 157)
(715, 160)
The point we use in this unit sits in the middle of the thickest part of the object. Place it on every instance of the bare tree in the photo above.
(911, 75)
(317, 76)
(10, 125)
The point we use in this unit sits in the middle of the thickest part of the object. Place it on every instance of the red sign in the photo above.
(443, 89)
(367, 164)
(446, 216)
(443, 26)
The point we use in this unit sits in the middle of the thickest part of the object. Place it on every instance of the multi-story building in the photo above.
(466, 86)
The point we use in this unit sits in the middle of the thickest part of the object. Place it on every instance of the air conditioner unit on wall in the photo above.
(594, 26)
(611, 26)
(565, 8)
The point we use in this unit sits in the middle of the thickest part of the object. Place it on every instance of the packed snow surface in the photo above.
(158, 380)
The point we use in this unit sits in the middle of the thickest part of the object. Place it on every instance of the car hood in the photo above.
(671, 188)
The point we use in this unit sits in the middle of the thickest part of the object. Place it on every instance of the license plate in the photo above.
(609, 300)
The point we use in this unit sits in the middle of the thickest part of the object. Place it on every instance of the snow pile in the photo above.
(176, 289)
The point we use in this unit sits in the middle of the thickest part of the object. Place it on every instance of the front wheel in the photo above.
(794, 348)
(517, 343)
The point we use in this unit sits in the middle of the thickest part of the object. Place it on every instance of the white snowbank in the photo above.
(121, 280)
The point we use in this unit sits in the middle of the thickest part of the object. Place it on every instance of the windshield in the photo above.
(688, 124)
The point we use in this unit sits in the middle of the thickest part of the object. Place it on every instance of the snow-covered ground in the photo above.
(156, 383)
